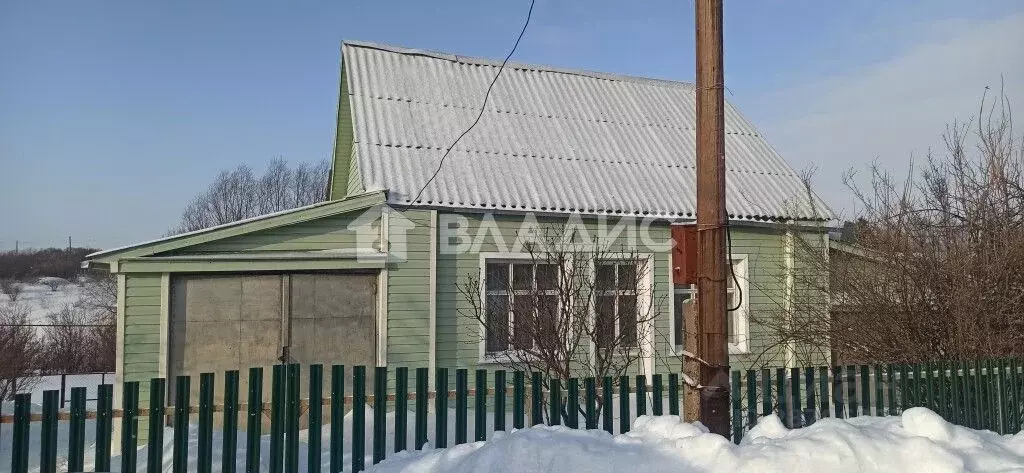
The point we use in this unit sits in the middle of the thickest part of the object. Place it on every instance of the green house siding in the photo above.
(141, 326)
(343, 159)
(321, 234)
(409, 292)
(458, 333)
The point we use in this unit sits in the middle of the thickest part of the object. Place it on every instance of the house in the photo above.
(372, 275)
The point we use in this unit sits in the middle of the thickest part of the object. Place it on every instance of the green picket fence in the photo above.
(400, 404)
(984, 394)
(284, 431)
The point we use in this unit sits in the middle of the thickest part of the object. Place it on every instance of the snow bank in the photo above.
(917, 441)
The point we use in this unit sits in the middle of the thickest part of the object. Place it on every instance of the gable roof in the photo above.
(240, 227)
(550, 140)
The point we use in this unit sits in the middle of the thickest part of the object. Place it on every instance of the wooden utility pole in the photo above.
(711, 219)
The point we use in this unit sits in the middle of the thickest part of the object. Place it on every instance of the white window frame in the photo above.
(644, 302)
(741, 316)
(740, 265)
(508, 258)
(616, 292)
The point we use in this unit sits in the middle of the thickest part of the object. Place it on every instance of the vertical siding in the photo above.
(409, 291)
(342, 143)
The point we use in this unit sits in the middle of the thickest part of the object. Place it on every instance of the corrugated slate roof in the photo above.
(550, 140)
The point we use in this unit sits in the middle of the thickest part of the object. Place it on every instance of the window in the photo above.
(616, 284)
(736, 298)
(521, 303)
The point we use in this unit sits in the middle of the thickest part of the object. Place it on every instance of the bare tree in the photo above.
(68, 344)
(931, 267)
(12, 288)
(570, 309)
(239, 194)
(20, 351)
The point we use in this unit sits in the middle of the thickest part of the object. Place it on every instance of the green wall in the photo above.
(142, 328)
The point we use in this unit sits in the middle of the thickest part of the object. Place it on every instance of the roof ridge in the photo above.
(476, 60)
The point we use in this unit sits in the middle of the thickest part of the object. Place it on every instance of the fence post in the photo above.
(157, 420)
(20, 442)
(590, 409)
(292, 401)
(536, 399)
(76, 431)
(48, 440)
(104, 426)
(441, 408)
(204, 454)
(673, 394)
(865, 390)
(879, 393)
(555, 397)
(641, 395)
(380, 411)
(129, 426)
(480, 406)
(607, 421)
(314, 417)
(825, 409)
(751, 398)
(278, 391)
(254, 421)
(401, 407)
(461, 405)
(518, 399)
(780, 390)
(337, 452)
(179, 452)
(229, 445)
(624, 404)
(499, 400)
(422, 386)
(850, 386)
(358, 418)
(955, 393)
(838, 391)
(737, 409)
(890, 381)
(794, 387)
(810, 413)
(656, 394)
(572, 401)
(767, 406)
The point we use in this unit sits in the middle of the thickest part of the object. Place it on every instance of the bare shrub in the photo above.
(12, 288)
(20, 351)
(930, 269)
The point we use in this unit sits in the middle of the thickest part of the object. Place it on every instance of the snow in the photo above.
(41, 301)
(918, 440)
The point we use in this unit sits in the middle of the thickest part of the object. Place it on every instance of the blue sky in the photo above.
(114, 114)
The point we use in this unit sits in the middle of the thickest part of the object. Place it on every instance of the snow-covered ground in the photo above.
(41, 301)
(917, 441)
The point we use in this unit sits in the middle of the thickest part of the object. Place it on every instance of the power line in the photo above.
(483, 106)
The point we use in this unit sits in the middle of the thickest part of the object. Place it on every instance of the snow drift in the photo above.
(917, 441)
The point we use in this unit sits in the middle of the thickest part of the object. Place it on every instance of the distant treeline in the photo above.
(27, 265)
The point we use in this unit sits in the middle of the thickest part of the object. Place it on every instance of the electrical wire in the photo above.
(483, 106)
(732, 273)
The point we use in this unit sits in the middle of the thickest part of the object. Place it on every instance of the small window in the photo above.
(521, 304)
(736, 299)
(615, 304)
